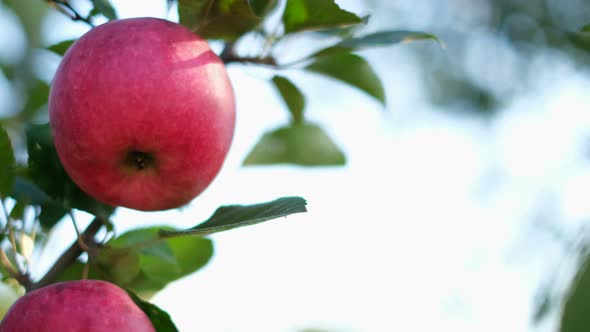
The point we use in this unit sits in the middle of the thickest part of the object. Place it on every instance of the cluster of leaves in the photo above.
(145, 260)
(581, 38)
(456, 82)
(299, 142)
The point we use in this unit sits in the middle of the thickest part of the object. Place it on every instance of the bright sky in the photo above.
(428, 227)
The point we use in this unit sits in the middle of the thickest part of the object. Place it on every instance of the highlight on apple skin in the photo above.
(74, 306)
(142, 113)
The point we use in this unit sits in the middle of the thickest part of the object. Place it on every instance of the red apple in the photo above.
(75, 306)
(142, 113)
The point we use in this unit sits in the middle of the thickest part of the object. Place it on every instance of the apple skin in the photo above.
(76, 306)
(142, 113)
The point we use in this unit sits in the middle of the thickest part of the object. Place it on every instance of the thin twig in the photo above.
(272, 39)
(7, 264)
(65, 8)
(208, 9)
(22, 278)
(11, 236)
(86, 271)
(15, 272)
(12, 239)
(78, 235)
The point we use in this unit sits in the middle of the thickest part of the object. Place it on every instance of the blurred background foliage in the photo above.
(484, 66)
(481, 69)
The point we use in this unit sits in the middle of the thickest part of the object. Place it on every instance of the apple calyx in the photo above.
(139, 160)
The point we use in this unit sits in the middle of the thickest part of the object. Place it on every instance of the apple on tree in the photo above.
(75, 306)
(142, 113)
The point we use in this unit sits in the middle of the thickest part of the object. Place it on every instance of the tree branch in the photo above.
(69, 256)
(14, 271)
(229, 55)
(64, 7)
(22, 278)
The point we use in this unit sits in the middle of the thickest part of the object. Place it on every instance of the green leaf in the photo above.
(7, 164)
(581, 39)
(62, 47)
(473, 96)
(76, 272)
(189, 255)
(8, 71)
(386, 38)
(160, 319)
(51, 213)
(262, 7)
(122, 265)
(105, 8)
(18, 210)
(94, 12)
(305, 145)
(25, 190)
(191, 12)
(228, 27)
(218, 19)
(46, 171)
(351, 69)
(234, 216)
(147, 286)
(303, 15)
(44, 165)
(145, 235)
(162, 261)
(292, 96)
(576, 312)
(344, 32)
(377, 39)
